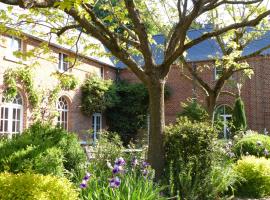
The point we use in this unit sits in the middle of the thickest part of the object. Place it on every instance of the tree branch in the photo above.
(140, 30)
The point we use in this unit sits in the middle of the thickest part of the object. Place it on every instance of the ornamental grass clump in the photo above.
(123, 180)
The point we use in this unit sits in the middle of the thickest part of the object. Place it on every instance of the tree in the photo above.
(239, 116)
(132, 16)
(232, 44)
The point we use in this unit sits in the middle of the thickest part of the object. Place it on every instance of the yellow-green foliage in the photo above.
(35, 187)
(254, 176)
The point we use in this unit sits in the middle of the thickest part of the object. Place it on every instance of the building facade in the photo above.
(16, 115)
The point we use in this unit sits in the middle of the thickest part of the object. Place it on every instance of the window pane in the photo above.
(6, 113)
(18, 127)
(2, 113)
(1, 126)
(60, 61)
(5, 126)
(18, 114)
(14, 113)
(13, 126)
(65, 66)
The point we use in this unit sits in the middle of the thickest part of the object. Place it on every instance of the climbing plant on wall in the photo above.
(24, 77)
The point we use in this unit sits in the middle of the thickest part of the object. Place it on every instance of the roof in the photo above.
(203, 51)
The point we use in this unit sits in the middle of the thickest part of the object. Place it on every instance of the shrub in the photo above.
(253, 144)
(255, 177)
(97, 95)
(43, 149)
(35, 186)
(193, 111)
(189, 149)
(132, 104)
(239, 115)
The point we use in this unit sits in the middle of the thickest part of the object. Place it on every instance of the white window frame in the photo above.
(10, 48)
(101, 73)
(225, 118)
(11, 106)
(216, 75)
(95, 116)
(62, 61)
(62, 122)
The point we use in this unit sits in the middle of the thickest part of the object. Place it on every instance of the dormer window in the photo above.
(63, 63)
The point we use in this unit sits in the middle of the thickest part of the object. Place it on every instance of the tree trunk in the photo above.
(211, 101)
(157, 124)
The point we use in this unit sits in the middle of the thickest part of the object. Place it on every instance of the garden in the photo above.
(135, 160)
(47, 162)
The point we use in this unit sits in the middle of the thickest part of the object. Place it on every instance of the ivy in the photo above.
(24, 77)
(66, 81)
(97, 95)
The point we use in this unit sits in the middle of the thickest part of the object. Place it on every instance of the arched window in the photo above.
(62, 108)
(224, 114)
(11, 116)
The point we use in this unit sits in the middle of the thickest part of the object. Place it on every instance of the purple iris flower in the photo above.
(115, 182)
(87, 176)
(83, 184)
(117, 169)
(120, 161)
(145, 164)
(134, 162)
(145, 172)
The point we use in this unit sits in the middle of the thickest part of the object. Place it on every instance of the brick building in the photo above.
(16, 115)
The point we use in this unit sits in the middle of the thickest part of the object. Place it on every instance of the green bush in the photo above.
(132, 104)
(97, 95)
(193, 111)
(43, 149)
(252, 144)
(255, 177)
(239, 115)
(189, 149)
(35, 187)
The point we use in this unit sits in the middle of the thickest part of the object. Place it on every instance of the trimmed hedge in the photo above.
(252, 144)
(43, 149)
(35, 187)
(254, 175)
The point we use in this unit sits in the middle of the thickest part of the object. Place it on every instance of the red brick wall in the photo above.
(255, 91)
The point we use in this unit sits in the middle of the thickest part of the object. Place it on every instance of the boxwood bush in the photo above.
(253, 144)
(43, 149)
(189, 151)
(254, 176)
(34, 186)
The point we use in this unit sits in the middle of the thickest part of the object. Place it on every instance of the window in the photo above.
(11, 116)
(13, 45)
(218, 73)
(62, 108)
(96, 124)
(63, 63)
(101, 72)
(224, 114)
